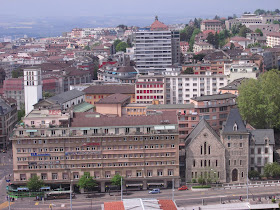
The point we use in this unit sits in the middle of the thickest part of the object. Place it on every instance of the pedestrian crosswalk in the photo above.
(5, 204)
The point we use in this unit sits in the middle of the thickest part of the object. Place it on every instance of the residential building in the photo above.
(215, 25)
(273, 39)
(200, 46)
(233, 86)
(120, 74)
(13, 88)
(96, 92)
(157, 48)
(60, 147)
(150, 88)
(180, 88)
(237, 71)
(244, 42)
(8, 119)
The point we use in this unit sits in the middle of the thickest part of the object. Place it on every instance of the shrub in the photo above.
(193, 180)
(273, 200)
(201, 187)
(201, 180)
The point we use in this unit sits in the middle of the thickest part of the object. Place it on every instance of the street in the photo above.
(182, 198)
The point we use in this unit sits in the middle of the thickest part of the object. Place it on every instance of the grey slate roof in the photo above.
(5, 107)
(198, 128)
(234, 84)
(260, 135)
(214, 97)
(66, 96)
(233, 118)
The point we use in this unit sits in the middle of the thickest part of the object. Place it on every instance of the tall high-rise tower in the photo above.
(157, 48)
(32, 87)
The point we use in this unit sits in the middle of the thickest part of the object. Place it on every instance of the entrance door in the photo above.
(234, 175)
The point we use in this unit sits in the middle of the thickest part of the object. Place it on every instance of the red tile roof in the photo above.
(114, 99)
(167, 205)
(211, 21)
(157, 25)
(116, 205)
(274, 34)
(239, 38)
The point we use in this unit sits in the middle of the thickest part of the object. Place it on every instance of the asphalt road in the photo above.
(182, 198)
(6, 168)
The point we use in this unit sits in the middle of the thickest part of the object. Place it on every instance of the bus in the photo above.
(58, 195)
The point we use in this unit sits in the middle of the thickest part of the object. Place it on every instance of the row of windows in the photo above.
(205, 163)
(97, 165)
(97, 140)
(206, 174)
(61, 149)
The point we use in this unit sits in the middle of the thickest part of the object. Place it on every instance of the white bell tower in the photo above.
(32, 87)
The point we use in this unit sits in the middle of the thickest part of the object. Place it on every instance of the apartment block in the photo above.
(59, 147)
(273, 39)
(180, 88)
(149, 89)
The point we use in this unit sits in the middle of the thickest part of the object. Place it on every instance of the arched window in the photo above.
(201, 150)
(201, 163)
(205, 163)
(209, 163)
(209, 150)
(193, 163)
(216, 162)
(205, 149)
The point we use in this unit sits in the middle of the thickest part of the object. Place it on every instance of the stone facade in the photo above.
(205, 155)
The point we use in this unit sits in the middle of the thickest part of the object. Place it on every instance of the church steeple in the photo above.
(156, 18)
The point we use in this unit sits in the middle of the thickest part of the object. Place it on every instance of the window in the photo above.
(240, 162)
(228, 137)
(228, 145)
(229, 162)
(205, 163)
(160, 173)
(126, 130)
(259, 150)
(209, 150)
(201, 150)
(240, 144)
(216, 162)
(139, 173)
(170, 172)
(205, 148)
(149, 173)
(54, 176)
(252, 151)
(193, 163)
(241, 137)
(265, 150)
(85, 132)
(32, 123)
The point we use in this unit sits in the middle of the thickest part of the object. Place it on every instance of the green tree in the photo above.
(17, 73)
(116, 180)
(122, 26)
(35, 183)
(232, 46)
(191, 43)
(116, 42)
(47, 94)
(253, 174)
(87, 182)
(199, 57)
(21, 114)
(243, 30)
(259, 100)
(276, 22)
(272, 170)
(259, 12)
(201, 180)
(87, 48)
(259, 31)
(188, 70)
(121, 46)
(235, 29)
(186, 33)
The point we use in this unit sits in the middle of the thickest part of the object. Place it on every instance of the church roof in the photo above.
(198, 128)
(234, 123)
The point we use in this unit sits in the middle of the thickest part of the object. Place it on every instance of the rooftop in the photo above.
(214, 97)
(83, 107)
(234, 123)
(66, 96)
(114, 99)
(234, 84)
(93, 120)
(110, 89)
(170, 106)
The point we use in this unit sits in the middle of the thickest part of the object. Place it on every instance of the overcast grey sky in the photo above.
(77, 8)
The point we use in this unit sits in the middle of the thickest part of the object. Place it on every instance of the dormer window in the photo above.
(235, 127)
(266, 141)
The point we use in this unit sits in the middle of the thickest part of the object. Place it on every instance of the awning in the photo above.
(85, 129)
(22, 188)
(170, 127)
(45, 188)
(159, 127)
(31, 131)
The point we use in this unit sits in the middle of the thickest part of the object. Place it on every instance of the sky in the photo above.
(108, 8)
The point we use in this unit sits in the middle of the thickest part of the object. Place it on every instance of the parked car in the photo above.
(154, 191)
(184, 187)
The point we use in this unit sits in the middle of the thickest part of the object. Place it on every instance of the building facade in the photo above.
(215, 25)
(59, 147)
